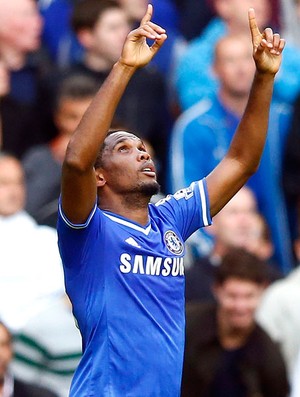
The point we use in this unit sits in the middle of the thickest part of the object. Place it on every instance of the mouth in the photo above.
(148, 169)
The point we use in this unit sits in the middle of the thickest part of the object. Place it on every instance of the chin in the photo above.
(149, 189)
(242, 324)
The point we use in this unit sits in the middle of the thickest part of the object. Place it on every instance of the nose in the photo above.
(144, 156)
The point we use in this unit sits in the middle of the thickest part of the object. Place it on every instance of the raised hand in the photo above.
(267, 46)
(136, 51)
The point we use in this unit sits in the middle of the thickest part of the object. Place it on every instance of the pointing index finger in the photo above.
(147, 17)
(253, 25)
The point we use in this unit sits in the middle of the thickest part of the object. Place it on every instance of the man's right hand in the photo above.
(136, 51)
(267, 47)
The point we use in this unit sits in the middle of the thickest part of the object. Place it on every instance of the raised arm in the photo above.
(78, 177)
(244, 154)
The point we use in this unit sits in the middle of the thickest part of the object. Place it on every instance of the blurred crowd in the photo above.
(54, 55)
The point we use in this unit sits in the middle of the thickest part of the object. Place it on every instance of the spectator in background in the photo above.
(30, 267)
(238, 225)
(9, 385)
(194, 76)
(290, 172)
(210, 125)
(42, 163)
(48, 348)
(20, 41)
(279, 314)
(232, 355)
(19, 133)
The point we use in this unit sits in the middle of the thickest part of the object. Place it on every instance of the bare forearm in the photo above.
(246, 148)
(79, 184)
(92, 130)
(245, 151)
(249, 140)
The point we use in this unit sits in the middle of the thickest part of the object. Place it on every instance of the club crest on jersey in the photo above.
(173, 243)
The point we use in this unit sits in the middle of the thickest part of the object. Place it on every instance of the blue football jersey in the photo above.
(126, 285)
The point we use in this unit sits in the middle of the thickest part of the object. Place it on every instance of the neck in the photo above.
(234, 28)
(235, 103)
(132, 206)
(97, 63)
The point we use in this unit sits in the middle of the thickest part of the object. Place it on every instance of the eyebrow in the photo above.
(127, 138)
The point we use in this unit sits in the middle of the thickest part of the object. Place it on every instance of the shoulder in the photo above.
(37, 153)
(263, 344)
(191, 116)
(195, 191)
(272, 363)
(92, 222)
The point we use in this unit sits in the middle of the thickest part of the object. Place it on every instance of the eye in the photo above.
(123, 148)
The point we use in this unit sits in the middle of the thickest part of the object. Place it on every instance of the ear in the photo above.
(266, 250)
(85, 37)
(215, 288)
(100, 179)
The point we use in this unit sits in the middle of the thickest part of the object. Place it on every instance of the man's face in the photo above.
(262, 10)
(235, 12)
(20, 24)
(109, 34)
(135, 9)
(234, 65)
(5, 351)
(234, 225)
(69, 113)
(127, 166)
(12, 188)
(237, 301)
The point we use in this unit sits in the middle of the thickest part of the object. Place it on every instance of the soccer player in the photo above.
(123, 257)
